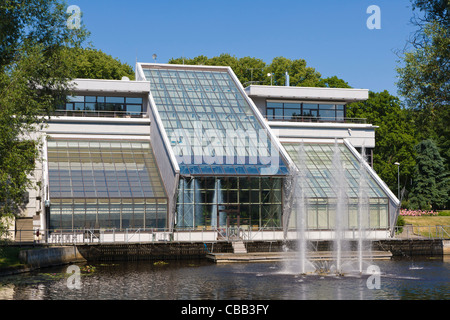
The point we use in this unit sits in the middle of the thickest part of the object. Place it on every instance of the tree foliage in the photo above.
(34, 76)
(91, 63)
(395, 136)
(431, 184)
(424, 81)
(255, 71)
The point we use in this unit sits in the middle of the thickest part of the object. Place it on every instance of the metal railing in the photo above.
(139, 235)
(315, 119)
(98, 113)
(418, 232)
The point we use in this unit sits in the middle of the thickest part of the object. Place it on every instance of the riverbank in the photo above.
(9, 261)
(19, 259)
(15, 259)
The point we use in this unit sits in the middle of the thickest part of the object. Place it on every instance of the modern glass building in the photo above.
(230, 165)
(188, 149)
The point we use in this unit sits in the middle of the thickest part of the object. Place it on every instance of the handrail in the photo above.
(128, 235)
(99, 113)
(300, 118)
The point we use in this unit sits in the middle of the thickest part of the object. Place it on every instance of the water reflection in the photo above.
(201, 280)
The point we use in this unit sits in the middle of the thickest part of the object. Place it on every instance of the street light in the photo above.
(398, 179)
(271, 77)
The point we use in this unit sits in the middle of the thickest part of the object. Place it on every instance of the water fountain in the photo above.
(300, 205)
(339, 186)
(342, 258)
(363, 211)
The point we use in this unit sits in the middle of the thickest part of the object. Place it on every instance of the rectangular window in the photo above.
(102, 106)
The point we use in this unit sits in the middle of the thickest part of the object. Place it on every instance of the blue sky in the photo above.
(331, 35)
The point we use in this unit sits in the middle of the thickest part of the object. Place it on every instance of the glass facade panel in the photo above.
(94, 184)
(321, 191)
(207, 201)
(202, 112)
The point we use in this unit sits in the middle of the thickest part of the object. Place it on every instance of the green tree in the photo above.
(333, 82)
(431, 185)
(94, 64)
(395, 136)
(424, 74)
(299, 74)
(34, 77)
(251, 70)
(247, 69)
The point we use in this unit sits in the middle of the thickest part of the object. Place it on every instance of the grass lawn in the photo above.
(428, 220)
(426, 225)
(9, 257)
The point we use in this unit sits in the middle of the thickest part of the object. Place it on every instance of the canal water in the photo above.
(425, 279)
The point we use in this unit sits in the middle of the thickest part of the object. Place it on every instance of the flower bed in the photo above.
(417, 213)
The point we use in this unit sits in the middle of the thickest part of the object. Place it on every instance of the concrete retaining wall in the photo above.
(416, 247)
(398, 247)
(152, 251)
(46, 257)
(194, 250)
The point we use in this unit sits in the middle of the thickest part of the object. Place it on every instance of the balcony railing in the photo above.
(316, 119)
(103, 114)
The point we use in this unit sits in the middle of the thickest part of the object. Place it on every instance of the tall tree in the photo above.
(299, 74)
(255, 71)
(395, 136)
(431, 183)
(34, 77)
(424, 74)
(91, 63)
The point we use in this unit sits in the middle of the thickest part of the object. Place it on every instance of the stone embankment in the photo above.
(53, 256)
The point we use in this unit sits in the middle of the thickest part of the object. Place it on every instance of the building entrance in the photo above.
(231, 227)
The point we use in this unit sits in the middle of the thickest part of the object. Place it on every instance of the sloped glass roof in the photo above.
(319, 166)
(103, 169)
(212, 128)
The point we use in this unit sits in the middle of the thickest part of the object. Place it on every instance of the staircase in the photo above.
(24, 230)
(239, 247)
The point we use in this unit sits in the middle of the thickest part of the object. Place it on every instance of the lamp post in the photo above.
(398, 179)
(271, 77)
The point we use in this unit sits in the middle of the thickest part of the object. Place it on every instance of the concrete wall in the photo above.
(346, 95)
(153, 251)
(398, 247)
(357, 134)
(165, 159)
(112, 128)
(46, 257)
